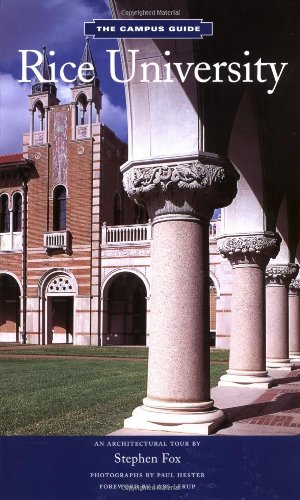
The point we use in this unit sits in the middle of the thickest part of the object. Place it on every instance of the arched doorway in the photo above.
(212, 310)
(9, 308)
(126, 311)
(59, 290)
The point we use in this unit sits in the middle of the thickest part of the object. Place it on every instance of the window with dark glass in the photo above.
(59, 208)
(117, 210)
(4, 214)
(17, 213)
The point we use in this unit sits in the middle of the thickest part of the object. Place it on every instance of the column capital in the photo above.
(193, 185)
(294, 288)
(249, 249)
(281, 274)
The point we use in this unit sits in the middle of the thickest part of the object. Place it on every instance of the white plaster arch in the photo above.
(109, 278)
(56, 186)
(46, 295)
(282, 227)
(17, 191)
(245, 152)
(81, 95)
(104, 292)
(10, 197)
(48, 275)
(36, 104)
(152, 130)
(82, 100)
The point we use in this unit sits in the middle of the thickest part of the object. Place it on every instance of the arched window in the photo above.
(59, 208)
(39, 117)
(4, 214)
(81, 109)
(17, 213)
(117, 210)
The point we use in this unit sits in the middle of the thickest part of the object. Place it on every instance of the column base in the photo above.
(182, 418)
(294, 356)
(280, 364)
(243, 378)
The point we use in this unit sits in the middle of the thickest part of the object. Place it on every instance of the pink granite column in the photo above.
(294, 320)
(278, 278)
(248, 254)
(180, 196)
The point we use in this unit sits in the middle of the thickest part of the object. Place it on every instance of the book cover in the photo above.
(149, 198)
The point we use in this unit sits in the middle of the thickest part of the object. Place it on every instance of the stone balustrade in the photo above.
(57, 239)
(10, 241)
(82, 131)
(39, 138)
(116, 235)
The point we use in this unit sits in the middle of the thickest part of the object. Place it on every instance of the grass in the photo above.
(75, 397)
(70, 350)
(68, 397)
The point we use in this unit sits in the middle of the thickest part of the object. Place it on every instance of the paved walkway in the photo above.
(274, 411)
(256, 412)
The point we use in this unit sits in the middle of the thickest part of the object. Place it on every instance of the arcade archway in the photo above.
(9, 308)
(125, 321)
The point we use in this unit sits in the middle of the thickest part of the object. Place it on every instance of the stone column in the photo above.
(294, 320)
(180, 195)
(73, 114)
(46, 124)
(31, 130)
(278, 278)
(248, 254)
(90, 117)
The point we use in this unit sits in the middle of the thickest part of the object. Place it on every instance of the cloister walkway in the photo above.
(256, 412)
(275, 411)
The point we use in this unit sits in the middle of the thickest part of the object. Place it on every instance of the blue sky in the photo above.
(59, 25)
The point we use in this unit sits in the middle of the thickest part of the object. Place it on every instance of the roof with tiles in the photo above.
(12, 158)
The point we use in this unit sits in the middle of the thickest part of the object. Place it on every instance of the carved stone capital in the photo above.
(192, 186)
(281, 274)
(244, 249)
(294, 288)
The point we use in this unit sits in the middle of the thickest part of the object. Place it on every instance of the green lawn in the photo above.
(70, 350)
(75, 397)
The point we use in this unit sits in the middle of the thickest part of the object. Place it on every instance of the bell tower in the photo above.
(42, 97)
(85, 93)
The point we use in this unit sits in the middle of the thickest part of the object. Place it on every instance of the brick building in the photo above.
(75, 252)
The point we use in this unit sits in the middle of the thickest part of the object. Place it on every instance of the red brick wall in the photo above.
(40, 209)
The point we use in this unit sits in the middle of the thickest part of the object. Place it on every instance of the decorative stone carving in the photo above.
(61, 284)
(192, 187)
(126, 252)
(60, 160)
(281, 274)
(255, 249)
(294, 287)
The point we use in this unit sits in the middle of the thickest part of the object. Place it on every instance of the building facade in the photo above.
(101, 266)
(57, 199)
(75, 251)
